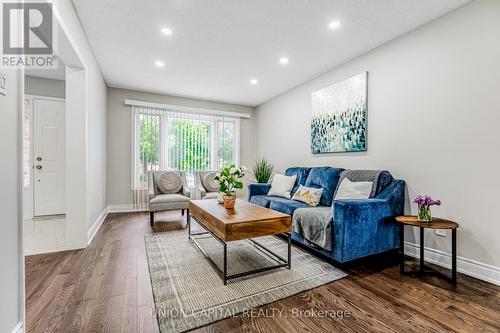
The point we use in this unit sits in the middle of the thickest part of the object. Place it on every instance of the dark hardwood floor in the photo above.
(106, 288)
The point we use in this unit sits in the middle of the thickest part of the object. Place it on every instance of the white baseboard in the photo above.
(126, 208)
(123, 208)
(466, 266)
(97, 224)
(18, 328)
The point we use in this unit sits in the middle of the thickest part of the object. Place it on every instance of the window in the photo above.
(170, 140)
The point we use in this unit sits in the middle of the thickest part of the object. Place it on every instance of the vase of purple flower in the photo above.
(425, 203)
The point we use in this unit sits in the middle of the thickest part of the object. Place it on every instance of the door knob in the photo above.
(38, 159)
(39, 167)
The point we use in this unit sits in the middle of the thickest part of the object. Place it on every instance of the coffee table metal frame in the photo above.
(223, 272)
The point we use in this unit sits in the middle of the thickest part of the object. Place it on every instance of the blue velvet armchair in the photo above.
(359, 228)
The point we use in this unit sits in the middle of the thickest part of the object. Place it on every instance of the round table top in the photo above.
(436, 223)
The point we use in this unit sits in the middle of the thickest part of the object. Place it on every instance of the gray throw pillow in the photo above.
(169, 182)
(209, 183)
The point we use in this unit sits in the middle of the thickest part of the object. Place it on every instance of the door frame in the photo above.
(28, 192)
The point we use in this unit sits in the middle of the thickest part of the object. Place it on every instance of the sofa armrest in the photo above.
(364, 227)
(151, 184)
(257, 189)
(199, 185)
(185, 189)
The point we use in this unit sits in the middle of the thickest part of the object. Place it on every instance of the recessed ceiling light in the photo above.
(159, 63)
(284, 60)
(334, 25)
(254, 82)
(166, 31)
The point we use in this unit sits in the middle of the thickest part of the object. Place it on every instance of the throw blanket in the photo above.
(362, 176)
(315, 224)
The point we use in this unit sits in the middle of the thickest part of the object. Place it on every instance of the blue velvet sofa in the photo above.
(359, 228)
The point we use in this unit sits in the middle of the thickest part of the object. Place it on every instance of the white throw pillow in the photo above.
(282, 185)
(353, 190)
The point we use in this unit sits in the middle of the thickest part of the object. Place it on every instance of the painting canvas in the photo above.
(339, 116)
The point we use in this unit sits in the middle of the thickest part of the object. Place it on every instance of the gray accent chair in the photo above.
(159, 201)
(198, 181)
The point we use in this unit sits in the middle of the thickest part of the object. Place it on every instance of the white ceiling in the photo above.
(217, 46)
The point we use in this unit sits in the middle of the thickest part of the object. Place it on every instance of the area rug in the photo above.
(188, 292)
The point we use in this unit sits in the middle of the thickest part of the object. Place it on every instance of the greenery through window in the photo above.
(167, 140)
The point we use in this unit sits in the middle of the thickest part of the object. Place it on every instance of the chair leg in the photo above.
(182, 212)
(152, 218)
(187, 217)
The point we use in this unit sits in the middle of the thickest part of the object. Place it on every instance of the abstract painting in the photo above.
(339, 116)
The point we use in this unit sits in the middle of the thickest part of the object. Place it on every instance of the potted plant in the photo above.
(425, 203)
(262, 170)
(229, 180)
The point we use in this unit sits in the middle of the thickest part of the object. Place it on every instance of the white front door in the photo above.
(48, 157)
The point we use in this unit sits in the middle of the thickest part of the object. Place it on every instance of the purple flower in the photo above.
(426, 201)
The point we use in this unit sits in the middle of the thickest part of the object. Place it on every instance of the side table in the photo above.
(436, 223)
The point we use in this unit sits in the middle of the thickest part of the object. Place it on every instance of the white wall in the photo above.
(119, 136)
(44, 87)
(95, 100)
(433, 120)
(10, 246)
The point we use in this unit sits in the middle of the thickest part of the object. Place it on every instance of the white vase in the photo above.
(220, 197)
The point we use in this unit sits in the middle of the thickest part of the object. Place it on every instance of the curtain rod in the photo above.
(186, 108)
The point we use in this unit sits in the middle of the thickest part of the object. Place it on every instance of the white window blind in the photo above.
(182, 141)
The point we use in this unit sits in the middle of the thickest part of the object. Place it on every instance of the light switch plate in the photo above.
(441, 232)
(3, 84)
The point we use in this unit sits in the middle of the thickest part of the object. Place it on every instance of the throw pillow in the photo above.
(209, 183)
(282, 185)
(169, 182)
(309, 195)
(353, 190)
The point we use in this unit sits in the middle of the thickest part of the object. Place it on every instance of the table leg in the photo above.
(289, 250)
(454, 256)
(421, 249)
(189, 225)
(224, 273)
(401, 248)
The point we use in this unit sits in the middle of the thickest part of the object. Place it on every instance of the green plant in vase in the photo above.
(425, 203)
(262, 170)
(229, 179)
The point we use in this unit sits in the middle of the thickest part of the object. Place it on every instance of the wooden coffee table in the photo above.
(244, 222)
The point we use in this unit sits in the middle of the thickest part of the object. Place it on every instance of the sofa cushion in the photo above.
(325, 178)
(211, 195)
(168, 202)
(261, 200)
(169, 198)
(301, 174)
(283, 205)
(286, 206)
